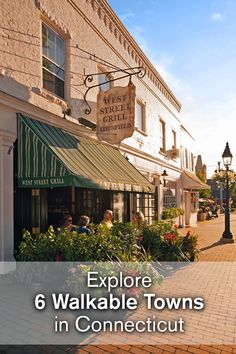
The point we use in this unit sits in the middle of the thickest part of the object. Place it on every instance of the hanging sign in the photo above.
(115, 113)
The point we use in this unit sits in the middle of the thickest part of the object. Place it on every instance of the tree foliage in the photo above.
(204, 193)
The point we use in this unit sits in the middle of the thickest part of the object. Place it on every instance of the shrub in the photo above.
(70, 246)
(171, 213)
(163, 242)
(159, 242)
(189, 246)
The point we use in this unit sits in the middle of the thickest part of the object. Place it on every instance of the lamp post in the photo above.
(164, 175)
(227, 235)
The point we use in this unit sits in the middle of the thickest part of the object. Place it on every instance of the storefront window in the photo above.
(169, 195)
(146, 204)
(89, 205)
(59, 204)
(118, 206)
(194, 202)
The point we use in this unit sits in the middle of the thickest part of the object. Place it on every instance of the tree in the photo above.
(220, 176)
(204, 193)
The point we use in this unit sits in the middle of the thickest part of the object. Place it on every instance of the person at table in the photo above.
(107, 219)
(67, 223)
(83, 225)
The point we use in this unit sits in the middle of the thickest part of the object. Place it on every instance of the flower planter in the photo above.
(201, 216)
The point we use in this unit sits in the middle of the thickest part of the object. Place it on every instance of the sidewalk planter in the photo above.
(201, 216)
(193, 219)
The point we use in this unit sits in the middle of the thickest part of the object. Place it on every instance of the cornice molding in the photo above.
(115, 26)
(45, 12)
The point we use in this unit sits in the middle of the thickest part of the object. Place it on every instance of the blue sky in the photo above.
(192, 44)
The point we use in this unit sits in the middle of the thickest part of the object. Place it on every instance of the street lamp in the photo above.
(164, 175)
(227, 235)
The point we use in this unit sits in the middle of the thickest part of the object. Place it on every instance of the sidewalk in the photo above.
(209, 233)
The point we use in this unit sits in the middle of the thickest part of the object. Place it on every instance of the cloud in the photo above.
(127, 16)
(216, 17)
(180, 88)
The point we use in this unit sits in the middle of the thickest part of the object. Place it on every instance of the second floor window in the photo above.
(103, 80)
(192, 161)
(53, 47)
(162, 129)
(173, 139)
(186, 158)
(140, 116)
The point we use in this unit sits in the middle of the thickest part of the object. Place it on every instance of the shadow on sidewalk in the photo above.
(215, 244)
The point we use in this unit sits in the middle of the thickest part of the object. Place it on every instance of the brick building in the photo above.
(50, 160)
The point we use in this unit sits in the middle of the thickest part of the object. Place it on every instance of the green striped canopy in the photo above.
(51, 157)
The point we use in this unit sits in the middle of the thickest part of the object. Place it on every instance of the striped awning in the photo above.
(51, 157)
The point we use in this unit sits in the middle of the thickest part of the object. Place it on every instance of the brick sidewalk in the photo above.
(211, 250)
(209, 233)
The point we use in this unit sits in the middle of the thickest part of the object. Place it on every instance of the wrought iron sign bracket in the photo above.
(139, 71)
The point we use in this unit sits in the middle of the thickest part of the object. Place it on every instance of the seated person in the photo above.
(83, 225)
(107, 219)
(67, 223)
(138, 219)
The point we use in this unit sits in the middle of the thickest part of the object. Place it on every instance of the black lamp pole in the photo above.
(227, 235)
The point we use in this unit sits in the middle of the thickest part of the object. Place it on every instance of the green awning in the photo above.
(51, 157)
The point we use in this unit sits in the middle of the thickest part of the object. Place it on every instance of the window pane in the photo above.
(60, 60)
(162, 134)
(101, 79)
(54, 69)
(174, 139)
(51, 45)
(139, 116)
(44, 40)
(53, 48)
(53, 84)
(169, 195)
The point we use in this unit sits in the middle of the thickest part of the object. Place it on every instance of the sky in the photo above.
(192, 44)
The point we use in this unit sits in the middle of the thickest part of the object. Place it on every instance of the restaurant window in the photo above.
(118, 206)
(89, 204)
(59, 204)
(140, 116)
(169, 195)
(162, 131)
(146, 204)
(53, 61)
(194, 202)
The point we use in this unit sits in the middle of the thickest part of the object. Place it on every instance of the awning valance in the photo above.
(51, 157)
(192, 182)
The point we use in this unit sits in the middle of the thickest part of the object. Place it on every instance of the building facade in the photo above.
(51, 162)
